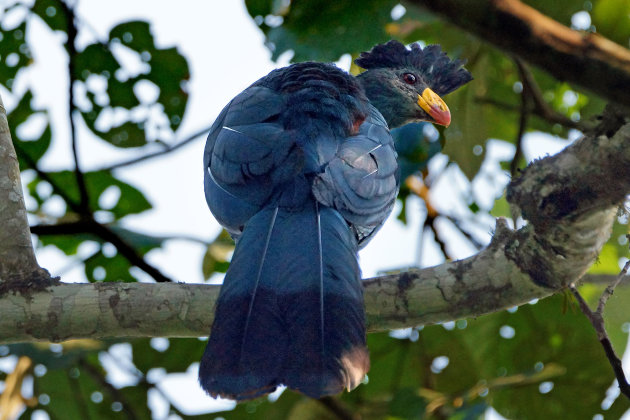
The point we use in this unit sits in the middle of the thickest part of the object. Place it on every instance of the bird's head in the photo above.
(406, 85)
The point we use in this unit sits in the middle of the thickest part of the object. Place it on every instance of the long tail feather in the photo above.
(290, 310)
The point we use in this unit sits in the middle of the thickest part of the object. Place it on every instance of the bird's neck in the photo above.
(383, 98)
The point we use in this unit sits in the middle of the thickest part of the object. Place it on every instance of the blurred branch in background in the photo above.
(604, 65)
(71, 30)
(12, 401)
(527, 95)
(167, 149)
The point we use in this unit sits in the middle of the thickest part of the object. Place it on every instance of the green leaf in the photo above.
(95, 59)
(166, 69)
(108, 268)
(560, 10)
(258, 7)
(618, 408)
(169, 71)
(532, 339)
(414, 148)
(501, 208)
(128, 134)
(468, 130)
(141, 242)
(34, 148)
(181, 353)
(617, 317)
(612, 19)
(52, 13)
(215, 260)
(407, 404)
(309, 409)
(121, 94)
(135, 35)
(15, 53)
(68, 244)
(607, 261)
(323, 31)
(66, 357)
(131, 200)
(76, 393)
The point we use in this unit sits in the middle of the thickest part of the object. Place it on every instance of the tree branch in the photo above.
(586, 59)
(17, 259)
(166, 150)
(127, 251)
(541, 110)
(569, 221)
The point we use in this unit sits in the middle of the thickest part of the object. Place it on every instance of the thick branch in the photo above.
(17, 259)
(569, 199)
(586, 59)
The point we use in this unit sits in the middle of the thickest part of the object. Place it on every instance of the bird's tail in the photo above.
(290, 310)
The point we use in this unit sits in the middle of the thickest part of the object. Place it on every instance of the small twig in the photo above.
(113, 391)
(430, 223)
(84, 203)
(82, 226)
(79, 397)
(524, 114)
(144, 383)
(74, 206)
(467, 235)
(128, 252)
(597, 320)
(611, 287)
(107, 234)
(540, 110)
(168, 149)
(540, 107)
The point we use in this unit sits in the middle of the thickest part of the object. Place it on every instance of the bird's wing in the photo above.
(362, 181)
(247, 154)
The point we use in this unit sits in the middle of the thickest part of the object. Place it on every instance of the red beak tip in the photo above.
(441, 117)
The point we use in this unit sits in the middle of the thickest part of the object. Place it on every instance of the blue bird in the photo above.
(300, 168)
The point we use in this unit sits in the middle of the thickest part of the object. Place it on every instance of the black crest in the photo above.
(441, 73)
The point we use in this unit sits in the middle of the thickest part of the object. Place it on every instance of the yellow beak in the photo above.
(435, 107)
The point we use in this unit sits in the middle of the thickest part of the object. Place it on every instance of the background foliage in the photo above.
(538, 361)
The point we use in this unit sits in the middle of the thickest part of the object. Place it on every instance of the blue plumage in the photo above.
(301, 169)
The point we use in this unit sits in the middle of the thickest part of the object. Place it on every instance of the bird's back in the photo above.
(274, 144)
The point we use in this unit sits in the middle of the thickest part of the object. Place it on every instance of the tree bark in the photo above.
(570, 201)
(587, 59)
(17, 258)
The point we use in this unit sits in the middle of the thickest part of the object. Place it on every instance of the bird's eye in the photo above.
(409, 78)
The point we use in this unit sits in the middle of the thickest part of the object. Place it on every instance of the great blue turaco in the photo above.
(300, 168)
